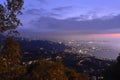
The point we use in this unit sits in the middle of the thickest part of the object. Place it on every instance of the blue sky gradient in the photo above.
(70, 18)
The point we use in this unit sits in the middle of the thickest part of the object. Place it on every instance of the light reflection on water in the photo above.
(114, 45)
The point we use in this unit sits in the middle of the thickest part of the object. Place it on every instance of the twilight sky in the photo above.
(71, 19)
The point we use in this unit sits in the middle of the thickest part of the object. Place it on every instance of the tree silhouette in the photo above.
(10, 67)
(113, 71)
(8, 15)
(10, 61)
(72, 75)
(48, 70)
(45, 70)
(118, 58)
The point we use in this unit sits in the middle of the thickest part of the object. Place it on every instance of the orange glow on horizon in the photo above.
(114, 35)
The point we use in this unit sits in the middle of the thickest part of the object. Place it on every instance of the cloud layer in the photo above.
(48, 26)
(68, 18)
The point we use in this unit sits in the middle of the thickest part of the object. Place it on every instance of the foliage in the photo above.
(10, 62)
(8, 15)
(48, 70)
(72, 75)
(113, 71)
(10, 67)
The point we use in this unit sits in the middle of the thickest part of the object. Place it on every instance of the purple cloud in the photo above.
(63, 8)
(52, 25)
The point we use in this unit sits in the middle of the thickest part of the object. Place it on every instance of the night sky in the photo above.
(71, 19)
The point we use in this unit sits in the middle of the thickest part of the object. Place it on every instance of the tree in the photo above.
(113, 71)
(72, 75)
(10, 67)
(10, 61)
(118, 58)
(48, 70)
(8, 15)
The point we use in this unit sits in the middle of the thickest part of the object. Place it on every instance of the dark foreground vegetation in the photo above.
(113, 71)
(11, 67)
(62, 67)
